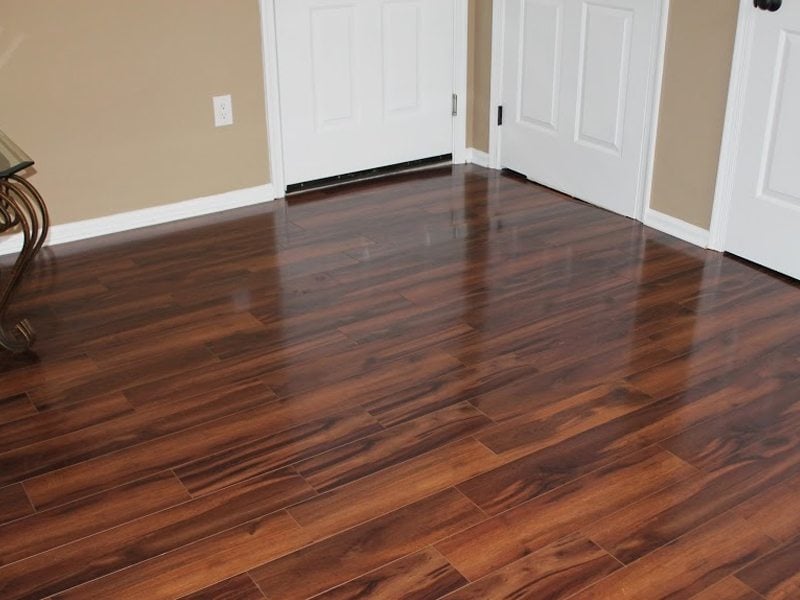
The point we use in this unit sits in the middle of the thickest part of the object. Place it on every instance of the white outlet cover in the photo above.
(223, 111)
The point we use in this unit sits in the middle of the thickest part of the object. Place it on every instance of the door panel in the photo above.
(603, 76)
(765, 211)
(580, 95)
(540, 68)
(363, 83)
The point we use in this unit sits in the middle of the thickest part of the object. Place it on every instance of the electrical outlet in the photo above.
(223, 111)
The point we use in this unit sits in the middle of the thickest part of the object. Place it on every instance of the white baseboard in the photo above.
(677, 228)
(82, 230)
(477, 157)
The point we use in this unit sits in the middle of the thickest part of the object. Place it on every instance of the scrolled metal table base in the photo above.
(21, 206)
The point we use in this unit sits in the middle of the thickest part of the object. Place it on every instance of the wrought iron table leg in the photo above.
(21, 206)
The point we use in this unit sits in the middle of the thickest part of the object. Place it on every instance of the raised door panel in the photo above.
(539, 74)
(603, 76)
(401, 57)
(779, 180)
(333, 69)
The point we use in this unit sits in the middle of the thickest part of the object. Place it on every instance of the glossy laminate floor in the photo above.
(451, 384)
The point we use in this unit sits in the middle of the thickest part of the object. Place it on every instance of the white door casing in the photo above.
(577, 95)
(757, 208)
(363, 83)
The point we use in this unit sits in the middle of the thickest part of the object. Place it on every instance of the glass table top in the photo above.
(12, 158)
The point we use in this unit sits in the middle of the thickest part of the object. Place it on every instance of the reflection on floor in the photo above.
(451, 382)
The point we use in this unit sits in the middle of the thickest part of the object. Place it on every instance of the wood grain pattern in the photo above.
(556, 571)
(51, 528)
(418, 576)
(728, 589)
(154, 535)
(240, 587)
(477, 551)
(387, 448)
(14, 503)
(709, 554)
(15, 407)
(356, 551)
(450, 382)
(776, 576)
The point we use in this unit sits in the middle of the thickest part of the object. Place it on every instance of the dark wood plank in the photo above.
(357, 551)
(392, 446)
(777, 574)
(240, 587)
(695, 562)
(418, 576)
(239, 509)
(51, 528)
(393, 488)
(53, 423)
(728, 589)
(504, 538)
(15, 407)
(126, 432)
(14, 503)
(261, 456)
(556, 571)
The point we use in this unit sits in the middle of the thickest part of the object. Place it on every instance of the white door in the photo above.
(764, 221)
(363, 83)
(577, 83)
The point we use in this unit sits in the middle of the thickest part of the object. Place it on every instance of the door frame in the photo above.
(655, 79)
(269, 51)
(732, 129)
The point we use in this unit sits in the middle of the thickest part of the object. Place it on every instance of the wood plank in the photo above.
(392, 446)
(48, 529)
(238, 509)
(240, 587)
(14, 503)
(773, 510)
(187, 569)
(393, 488)
(729, 588)
(53, 423)
(128, 430)
(556, 571)
(695, 562)
(506, 537)
(545, 423)
(776, 576)
(425, 574)
(562, 462)
(352, 553)
(266, 454)
(15, 407)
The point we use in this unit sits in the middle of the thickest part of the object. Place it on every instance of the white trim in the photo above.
(496, 86)
(477, 157)
(676, 228)
(734, 115)
(90, 228)
(272, 100)
(645, 192)
(460, 68)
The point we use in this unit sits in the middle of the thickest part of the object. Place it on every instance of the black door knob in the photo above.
(770, 5)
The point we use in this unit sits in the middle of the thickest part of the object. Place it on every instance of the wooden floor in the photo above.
(449, 384)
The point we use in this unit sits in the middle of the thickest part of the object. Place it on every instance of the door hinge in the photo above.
(499, 116)
(455, 105)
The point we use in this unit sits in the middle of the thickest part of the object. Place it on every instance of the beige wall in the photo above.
(694, 95)
(113, 99)
(479, 74)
